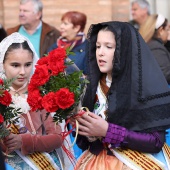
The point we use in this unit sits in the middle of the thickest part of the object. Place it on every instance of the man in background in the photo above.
(140, 10)
(41, 34)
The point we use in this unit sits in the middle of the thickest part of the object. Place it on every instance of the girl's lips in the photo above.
(21, 79)
(102, 62)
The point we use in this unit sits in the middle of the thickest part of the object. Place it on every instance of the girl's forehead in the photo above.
(106, 35)
(19, 55)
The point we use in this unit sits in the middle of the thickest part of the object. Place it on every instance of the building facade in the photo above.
(96, 10)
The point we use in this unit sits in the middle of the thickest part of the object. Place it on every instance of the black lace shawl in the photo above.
(139, 97)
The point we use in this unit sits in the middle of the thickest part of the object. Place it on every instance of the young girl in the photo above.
(35, 138)
(128, 100)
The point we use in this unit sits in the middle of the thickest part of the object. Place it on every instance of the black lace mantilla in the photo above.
(131, 104)
(147, 98)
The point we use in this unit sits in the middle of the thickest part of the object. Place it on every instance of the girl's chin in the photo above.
(103, 70)
(19, 84)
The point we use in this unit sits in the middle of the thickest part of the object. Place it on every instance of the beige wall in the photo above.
(96, 11)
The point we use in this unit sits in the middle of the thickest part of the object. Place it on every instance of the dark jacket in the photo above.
(49, 36)
(162, 56)
(79, 57)
(134, 23)
(167, 45)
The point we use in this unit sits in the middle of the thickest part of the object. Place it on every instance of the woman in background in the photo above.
(72, 36)
(155, 33)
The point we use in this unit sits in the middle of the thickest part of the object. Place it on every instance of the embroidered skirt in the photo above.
(19, 164)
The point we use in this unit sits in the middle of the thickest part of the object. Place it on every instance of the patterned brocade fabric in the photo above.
(115, 135)
(18, 163)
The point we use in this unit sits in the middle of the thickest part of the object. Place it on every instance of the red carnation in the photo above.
(1, 82)
(49, 102)
(31, 88)
(64, 98)
(56, 65)
(40, 76)
(58, 53)
(1, 119)
(34, 100)
(43, 61)
(6, 99)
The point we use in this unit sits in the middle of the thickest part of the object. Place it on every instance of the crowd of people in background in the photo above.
(156, 37)
(128, 97)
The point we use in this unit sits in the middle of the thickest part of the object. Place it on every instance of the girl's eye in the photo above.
(97, 46)
(28, 64)
(15, 65)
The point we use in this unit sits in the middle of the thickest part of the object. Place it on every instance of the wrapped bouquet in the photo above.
(56, 85)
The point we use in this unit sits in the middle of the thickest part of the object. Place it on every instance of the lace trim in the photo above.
(14, 38)
(140, 89)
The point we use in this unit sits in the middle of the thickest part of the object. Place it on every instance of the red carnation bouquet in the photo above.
(8, 114)
(53, 88)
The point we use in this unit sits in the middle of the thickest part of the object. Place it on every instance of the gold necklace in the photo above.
(16, 92)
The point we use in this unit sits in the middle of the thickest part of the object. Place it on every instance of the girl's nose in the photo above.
(22, 70)
(101, 52)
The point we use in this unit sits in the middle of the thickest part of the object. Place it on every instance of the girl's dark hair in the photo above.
(105, 28)
(24, 45)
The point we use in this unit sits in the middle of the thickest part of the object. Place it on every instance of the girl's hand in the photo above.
(13, 142)
(72, 119)
(3, 147)
(91, 124)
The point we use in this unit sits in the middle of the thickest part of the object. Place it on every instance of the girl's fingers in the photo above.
(83, 121)
(83, 128)
(90, 115)
(83, 133)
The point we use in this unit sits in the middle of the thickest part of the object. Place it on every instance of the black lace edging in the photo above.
(140, 89)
